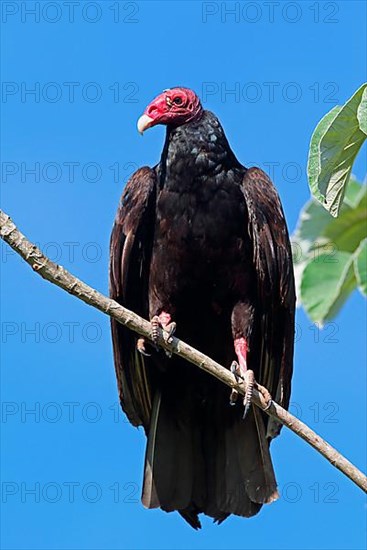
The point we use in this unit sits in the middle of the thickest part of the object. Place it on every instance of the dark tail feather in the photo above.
(149, 495)
(169, 462)
(264, 486)
(241, 477)
(191, 516)
(210, 462)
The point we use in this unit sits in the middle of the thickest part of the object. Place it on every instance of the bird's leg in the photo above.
(158, 322)
(162, 321)
(240, 370)
(234, 393)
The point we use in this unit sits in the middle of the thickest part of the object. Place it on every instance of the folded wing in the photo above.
(130, 251)
(273, 340)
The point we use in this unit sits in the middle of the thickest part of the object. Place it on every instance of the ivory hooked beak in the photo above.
(144, 123)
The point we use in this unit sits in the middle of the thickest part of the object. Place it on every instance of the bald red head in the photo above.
(175, 106)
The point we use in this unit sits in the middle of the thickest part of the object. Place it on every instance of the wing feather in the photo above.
(272, 257)
(130, 250)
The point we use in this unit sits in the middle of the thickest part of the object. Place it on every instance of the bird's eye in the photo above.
(177, 101)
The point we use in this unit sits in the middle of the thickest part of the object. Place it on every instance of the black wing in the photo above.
(130, 251)
(272, 257)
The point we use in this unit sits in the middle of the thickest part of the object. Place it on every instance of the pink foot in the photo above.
(240, 369)
(158, 322)
(162, 321)
(241, 349)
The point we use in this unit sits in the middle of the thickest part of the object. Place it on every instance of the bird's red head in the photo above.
(174, 107)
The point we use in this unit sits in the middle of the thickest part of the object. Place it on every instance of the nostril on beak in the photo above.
(151, 110)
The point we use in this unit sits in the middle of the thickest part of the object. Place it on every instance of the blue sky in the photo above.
(92, 72)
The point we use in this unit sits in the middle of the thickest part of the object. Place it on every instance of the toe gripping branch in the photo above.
(158, 323)
(162, 322)
(156, 326)
(249, 378)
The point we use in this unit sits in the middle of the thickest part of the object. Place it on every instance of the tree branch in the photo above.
(59, 276)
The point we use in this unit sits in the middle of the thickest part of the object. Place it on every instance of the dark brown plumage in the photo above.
(203, 239)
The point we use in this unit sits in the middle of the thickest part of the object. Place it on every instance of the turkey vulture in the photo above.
(201, 242)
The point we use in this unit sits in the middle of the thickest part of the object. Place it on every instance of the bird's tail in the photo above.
(170, 462)
(205, 460)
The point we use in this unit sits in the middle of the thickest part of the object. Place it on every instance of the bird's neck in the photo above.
(194, 151)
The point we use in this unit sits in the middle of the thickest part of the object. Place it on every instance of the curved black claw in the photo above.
(235, 369)
(157, 327)
(266, 395)
(140, 346)
(233, 397)
(250, 382)
(171, 329)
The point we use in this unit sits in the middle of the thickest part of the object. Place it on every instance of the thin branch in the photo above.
(59, 276)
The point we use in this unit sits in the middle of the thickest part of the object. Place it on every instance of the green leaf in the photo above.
(354, 192)
(334, 146)
(362, 112)
(350, 228)
(312, 221)
(314, 159)
(316, 228)
(319, 244)
(360, 266)
(326, 284)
